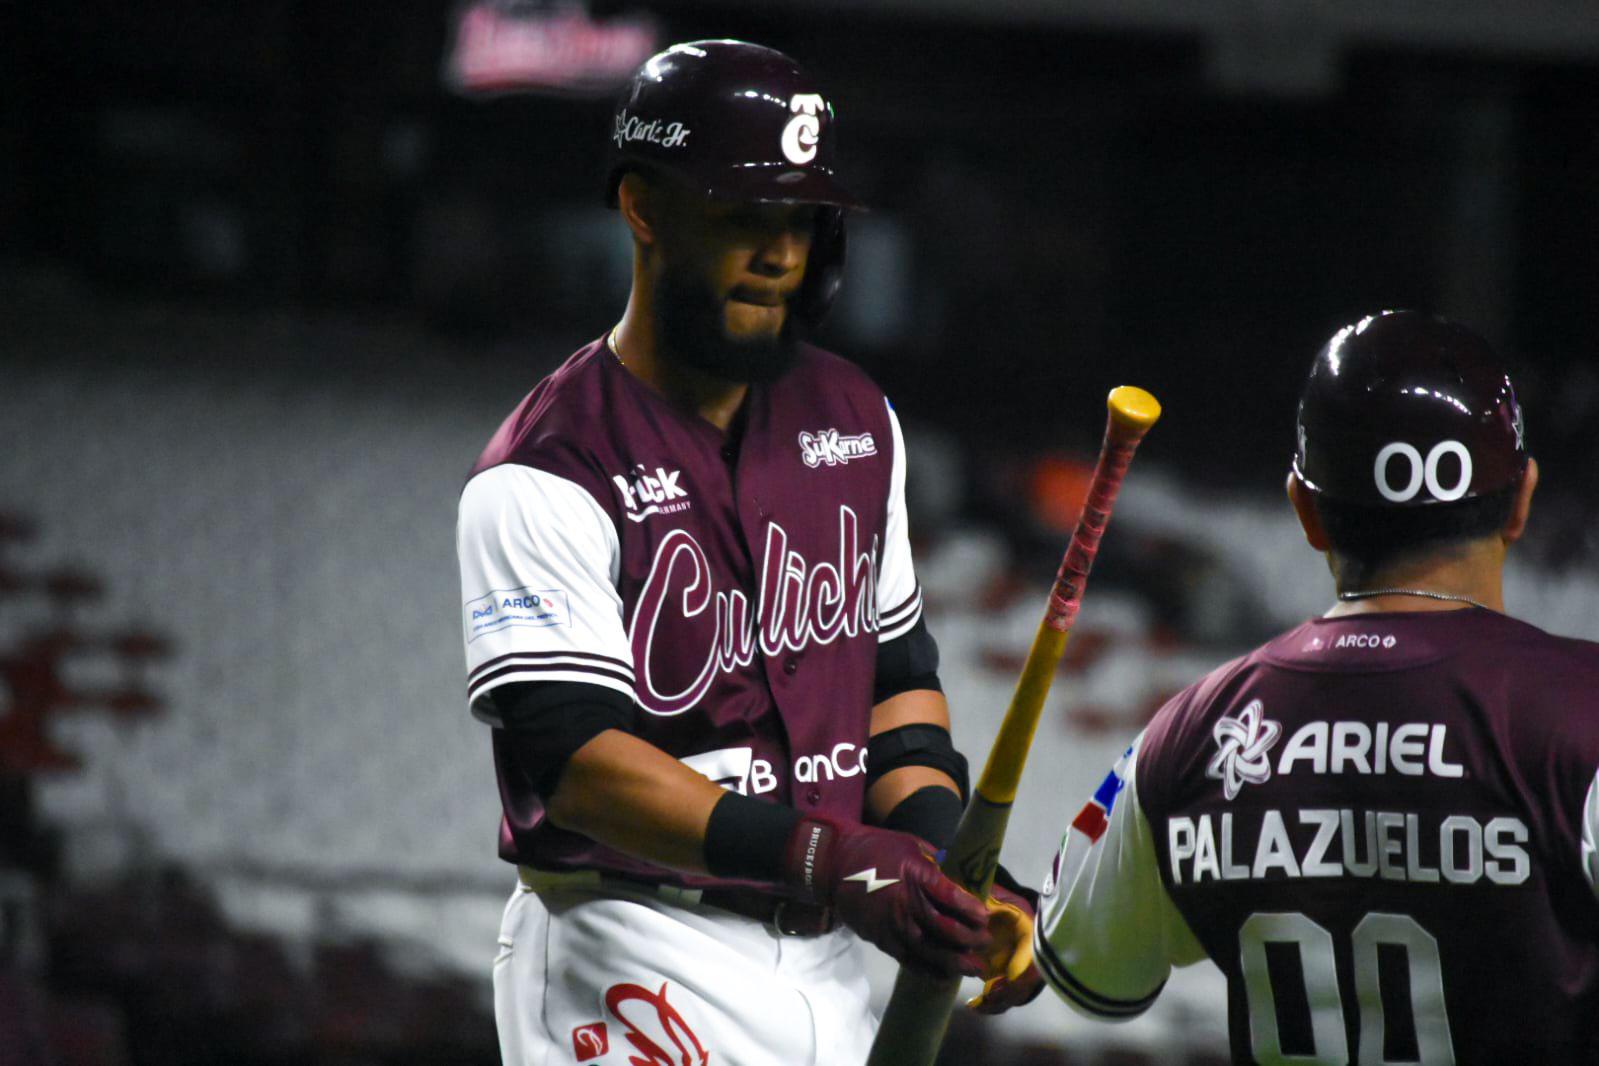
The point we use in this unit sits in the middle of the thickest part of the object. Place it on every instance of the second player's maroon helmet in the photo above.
(1403, 409)
(738, 122)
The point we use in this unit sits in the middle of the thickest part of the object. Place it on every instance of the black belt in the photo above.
(786, 917)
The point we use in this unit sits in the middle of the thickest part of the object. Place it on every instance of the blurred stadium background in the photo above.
(270, 274)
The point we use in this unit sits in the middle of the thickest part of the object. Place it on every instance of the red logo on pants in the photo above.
(648, 1034)
(590, 1041)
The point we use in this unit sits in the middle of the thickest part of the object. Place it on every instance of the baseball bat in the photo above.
(918, 1010)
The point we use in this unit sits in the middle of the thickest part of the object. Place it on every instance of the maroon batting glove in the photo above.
(888, 888)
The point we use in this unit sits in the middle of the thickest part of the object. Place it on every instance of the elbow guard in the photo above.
(916, 745)
(545, 722)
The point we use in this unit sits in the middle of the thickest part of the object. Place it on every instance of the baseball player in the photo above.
(692, 620)
(1381, 825)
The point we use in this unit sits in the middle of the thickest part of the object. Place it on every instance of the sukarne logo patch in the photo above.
(830, 448)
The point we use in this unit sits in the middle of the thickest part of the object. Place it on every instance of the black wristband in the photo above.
(745, 838)
(931, 812)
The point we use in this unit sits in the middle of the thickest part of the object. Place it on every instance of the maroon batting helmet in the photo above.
(738, 122)
(1402, 409)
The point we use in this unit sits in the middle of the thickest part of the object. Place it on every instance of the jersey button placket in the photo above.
(813, 797)
(790, 665)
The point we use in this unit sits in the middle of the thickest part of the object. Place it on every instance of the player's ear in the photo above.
(1521, 506)
(639, 205)
(1305, 508)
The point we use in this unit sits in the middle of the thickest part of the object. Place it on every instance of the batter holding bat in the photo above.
(691, 618)
(1381, 825)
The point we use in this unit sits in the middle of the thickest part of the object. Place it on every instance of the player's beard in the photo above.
(692, 327)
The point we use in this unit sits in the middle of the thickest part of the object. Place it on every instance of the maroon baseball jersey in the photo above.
(737, 594)
(1380, 827)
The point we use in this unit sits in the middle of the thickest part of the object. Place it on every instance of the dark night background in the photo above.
(277, 224)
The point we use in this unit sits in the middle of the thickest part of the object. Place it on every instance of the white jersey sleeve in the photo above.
(1108, 934)
(1590, 836)
(899, 596)
(539, 561)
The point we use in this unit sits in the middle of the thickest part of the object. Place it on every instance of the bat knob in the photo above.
(1132, 407)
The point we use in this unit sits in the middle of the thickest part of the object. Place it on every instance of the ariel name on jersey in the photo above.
(1329, 842)
(1410, 748)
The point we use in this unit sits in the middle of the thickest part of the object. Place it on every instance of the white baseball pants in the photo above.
(623, 978)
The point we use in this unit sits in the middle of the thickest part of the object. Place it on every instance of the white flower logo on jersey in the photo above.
(1244, 743)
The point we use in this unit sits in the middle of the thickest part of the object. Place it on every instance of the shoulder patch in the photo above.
(829, 447)
(1094, 818)
(503, 608)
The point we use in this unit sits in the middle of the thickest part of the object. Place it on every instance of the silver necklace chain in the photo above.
(1366, 594)
(610, 342)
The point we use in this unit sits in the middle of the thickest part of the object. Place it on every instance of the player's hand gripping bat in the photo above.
(918, 1011)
